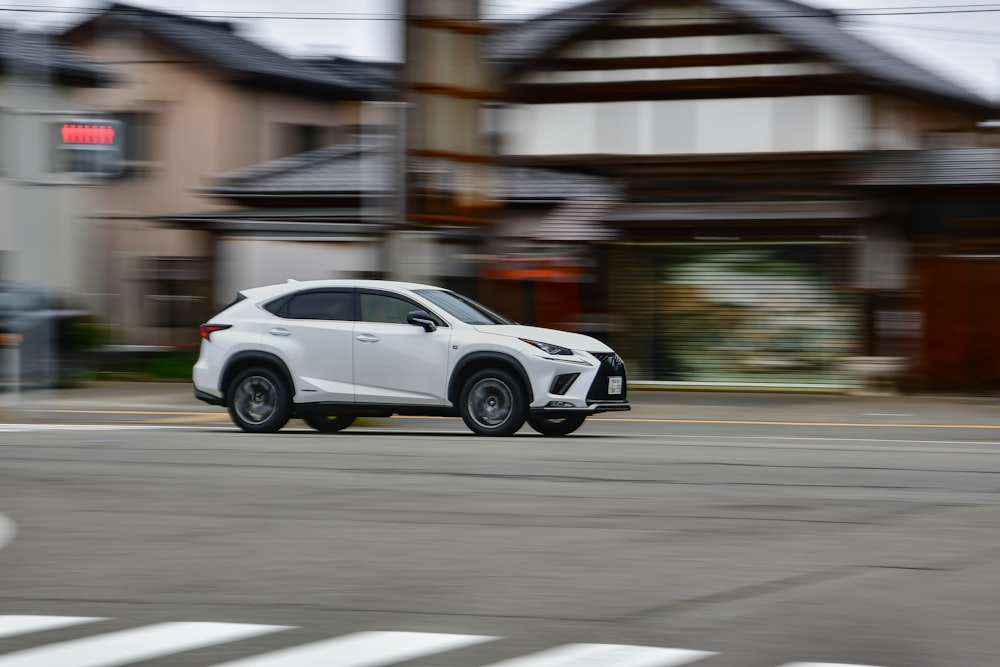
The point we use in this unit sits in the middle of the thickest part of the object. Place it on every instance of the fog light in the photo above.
(559, 404)
(561, 383)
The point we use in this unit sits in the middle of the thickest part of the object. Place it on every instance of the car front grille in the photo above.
(611, 366)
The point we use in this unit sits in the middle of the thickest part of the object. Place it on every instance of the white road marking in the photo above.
(8, 530)
(127, 646)
(22, 625)
(362, 649)
(697, 440)
(29, 428)
(606, 655)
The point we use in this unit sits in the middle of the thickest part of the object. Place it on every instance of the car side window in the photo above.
(385, 308)
(326, 305)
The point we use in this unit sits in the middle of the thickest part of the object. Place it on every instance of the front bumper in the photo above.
(569, 387)
(589, 409)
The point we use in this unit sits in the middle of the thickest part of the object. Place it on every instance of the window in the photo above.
(386, 308)
(176, 291)
(464, 309)
(107, 146)
(324, 305)
(137, 126)
(301, 138)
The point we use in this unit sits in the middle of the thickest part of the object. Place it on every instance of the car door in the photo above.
(312, 331)
(397, 363)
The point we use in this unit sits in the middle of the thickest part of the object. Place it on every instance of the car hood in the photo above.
(573, 341)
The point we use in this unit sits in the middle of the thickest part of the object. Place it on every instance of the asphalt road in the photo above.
(763, 530)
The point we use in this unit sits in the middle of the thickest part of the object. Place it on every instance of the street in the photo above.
(718, 530)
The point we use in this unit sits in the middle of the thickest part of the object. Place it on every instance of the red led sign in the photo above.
(80, 133)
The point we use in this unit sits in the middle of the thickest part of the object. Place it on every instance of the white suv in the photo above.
(329, 351)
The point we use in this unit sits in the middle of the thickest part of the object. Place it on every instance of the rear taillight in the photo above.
(208, 329)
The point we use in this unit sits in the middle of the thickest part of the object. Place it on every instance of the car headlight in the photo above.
(549, 348)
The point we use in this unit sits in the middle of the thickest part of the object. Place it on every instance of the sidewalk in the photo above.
(137, 398)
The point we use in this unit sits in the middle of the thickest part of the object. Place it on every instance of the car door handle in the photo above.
(279, 331)
(366, 338)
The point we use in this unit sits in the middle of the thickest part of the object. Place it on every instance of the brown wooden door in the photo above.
(961, 295)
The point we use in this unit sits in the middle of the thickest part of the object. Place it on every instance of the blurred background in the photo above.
(745, 193)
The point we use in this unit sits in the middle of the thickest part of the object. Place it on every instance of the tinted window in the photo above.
(386, 308)
(464, 309)
(320, 306)
(279, 306)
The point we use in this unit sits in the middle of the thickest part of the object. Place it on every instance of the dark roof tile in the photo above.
(372, 167)
(37, 55)
(934, 167)
(217, 43)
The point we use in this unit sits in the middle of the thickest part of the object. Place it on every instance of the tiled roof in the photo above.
(578, 219)
(527, 184)
(935, 167)
(523, 41)
(330, 171)
(811, 29)
(215, 42)
(385, 78)
(372, 167)
(36, 55)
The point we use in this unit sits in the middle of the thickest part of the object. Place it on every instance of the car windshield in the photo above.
(464, 309)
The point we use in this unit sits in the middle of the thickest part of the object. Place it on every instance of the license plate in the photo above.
(615, 385)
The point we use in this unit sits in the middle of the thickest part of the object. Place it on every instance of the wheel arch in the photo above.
(477, 361)
(244, 360)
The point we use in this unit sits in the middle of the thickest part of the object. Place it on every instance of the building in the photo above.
(194, 99)
(948, 202)
(42, 191)
(333, 213)
(744, 251)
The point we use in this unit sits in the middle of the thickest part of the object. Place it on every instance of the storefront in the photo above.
(732, 313)
(748, 293)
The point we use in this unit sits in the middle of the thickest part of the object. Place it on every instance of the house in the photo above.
(194, 98)
(332, 212)
(745, 251)
(312, 215)
(948, 202)
(41, 195)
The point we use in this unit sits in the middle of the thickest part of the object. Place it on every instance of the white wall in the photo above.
(673, 127)
(247, 262)
(43, 224)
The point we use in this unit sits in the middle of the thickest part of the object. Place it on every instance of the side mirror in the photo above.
(421, 318)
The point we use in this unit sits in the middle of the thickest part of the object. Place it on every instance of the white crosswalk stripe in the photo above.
(11, 626)
(43, 428)
(606, 655)
(128, 646)
(363, 649)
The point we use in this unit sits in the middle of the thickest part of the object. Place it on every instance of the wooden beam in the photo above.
(457, 92)
(657, 62)
(452, 25)
(686, 89)
(450, 155)
(607, 30)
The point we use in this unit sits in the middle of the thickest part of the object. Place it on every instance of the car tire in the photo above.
(259, 401)
(329, 423)
(493, 402)
(556, 426)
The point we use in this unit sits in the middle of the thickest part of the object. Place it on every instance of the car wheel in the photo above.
(259, 401)
(556, 425)
(329, 423)
(493, 403)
